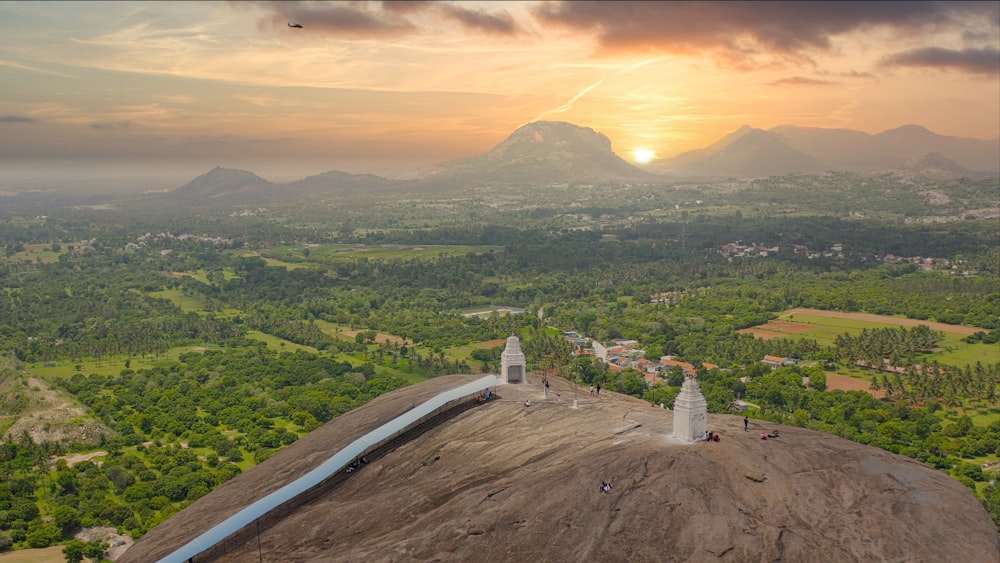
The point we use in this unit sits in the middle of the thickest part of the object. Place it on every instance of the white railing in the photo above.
(337, 462)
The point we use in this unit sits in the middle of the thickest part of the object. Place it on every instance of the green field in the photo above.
(52, 554)
(111, 366)
(331, 329)
(952, 350)
(37, 253)
(464, 353)
(278, 344)
(187, 303)
(327, 253)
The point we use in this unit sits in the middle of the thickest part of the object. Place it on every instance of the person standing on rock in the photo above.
(598, 389)
(746, 424)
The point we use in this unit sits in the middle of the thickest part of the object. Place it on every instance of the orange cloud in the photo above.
(800, 81)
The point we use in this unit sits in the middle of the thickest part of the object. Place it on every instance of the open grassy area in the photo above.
(39, 253)
(337, 252)
(962, 353)
(825, 329)
(52, 554)
(111, 366)
(187, 303)
(464, 353)
(331, 329)
(278, 344)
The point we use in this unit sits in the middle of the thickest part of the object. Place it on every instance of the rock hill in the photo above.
(545, 152)
(507, 482)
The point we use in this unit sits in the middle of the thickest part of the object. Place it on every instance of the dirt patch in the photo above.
(844, 383)
(52, 418)
(380, 337)
(758, 333)
(74, 459)
(493, 343)
(868, 317)
(117, 543)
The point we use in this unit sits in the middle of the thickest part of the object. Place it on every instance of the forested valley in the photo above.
(197, 344)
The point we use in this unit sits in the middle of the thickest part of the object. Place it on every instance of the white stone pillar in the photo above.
(690, 412)
(512, 362)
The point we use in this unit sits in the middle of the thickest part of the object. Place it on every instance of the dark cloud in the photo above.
(975, 61)
(357, 19)
(17, 119)
(858, 74)
(500, 24)
(381, 19)
(111, 125)
(406, 6)
(800, 81)
(743, 29)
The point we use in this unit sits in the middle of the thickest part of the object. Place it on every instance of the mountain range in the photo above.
(546, 152)
(788, 149)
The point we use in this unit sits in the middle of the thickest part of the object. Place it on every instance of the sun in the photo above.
(643, 156)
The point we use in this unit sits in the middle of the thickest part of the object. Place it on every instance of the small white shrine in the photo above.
(512, 362)
(690, 412)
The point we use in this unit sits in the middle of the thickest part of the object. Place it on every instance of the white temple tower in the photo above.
(690, 412)
(512, 362)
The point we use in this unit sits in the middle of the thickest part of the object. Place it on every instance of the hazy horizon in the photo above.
(389, 88)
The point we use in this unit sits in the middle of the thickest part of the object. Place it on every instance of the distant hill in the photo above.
(789, 149)
(541, 153)
(508, 482)
(550, 152)
(745, 152)
(939, 167)
(240, 187)
(223, 184)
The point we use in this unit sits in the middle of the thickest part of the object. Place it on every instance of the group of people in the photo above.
(605, 487)
(357, 464)
(763, 435)
(595, 390)
(711, 436)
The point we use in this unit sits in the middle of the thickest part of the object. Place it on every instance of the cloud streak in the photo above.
(17, 119)
(569, 105)
(974, 61)
(345, 20)
(475, 20)
(111, 125)
(19, 66)
(800, 81)
(362, 20)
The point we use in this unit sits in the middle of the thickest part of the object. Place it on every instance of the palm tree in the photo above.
(874, 385)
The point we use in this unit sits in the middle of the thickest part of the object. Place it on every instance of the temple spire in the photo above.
(690, 412)
(512, 362)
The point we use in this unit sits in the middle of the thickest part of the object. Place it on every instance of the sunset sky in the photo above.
(386, 86)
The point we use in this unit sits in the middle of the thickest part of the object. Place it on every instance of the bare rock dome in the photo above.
(503, 481)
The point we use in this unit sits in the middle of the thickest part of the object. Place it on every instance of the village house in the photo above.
(778, 361)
